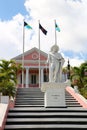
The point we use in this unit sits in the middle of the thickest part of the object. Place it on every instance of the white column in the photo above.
(42, 76)
(27, 77)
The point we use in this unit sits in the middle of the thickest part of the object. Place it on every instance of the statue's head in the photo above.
(55, 48)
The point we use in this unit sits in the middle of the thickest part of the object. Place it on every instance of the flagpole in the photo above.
(55, 33)
(23, 56)
(39, 52)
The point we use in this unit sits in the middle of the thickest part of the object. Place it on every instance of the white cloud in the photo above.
(73, 61)
(9, 38)
(70, 16)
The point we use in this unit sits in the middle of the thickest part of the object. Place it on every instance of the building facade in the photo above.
(36, 70)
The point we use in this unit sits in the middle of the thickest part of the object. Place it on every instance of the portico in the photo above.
(31, 76)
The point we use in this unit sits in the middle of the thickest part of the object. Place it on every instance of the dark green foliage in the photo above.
(8, 77)
(79, 78)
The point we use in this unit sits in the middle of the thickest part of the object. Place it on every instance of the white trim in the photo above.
(27, 77)
(42, 67)
(31, 61)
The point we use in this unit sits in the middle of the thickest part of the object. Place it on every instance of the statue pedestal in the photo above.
(54, 94)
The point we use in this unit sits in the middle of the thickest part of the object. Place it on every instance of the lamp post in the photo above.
(68, 70)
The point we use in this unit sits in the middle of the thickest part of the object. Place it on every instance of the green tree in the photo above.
(8, 77)
(79, 78)
(76, 77)
(83, 69)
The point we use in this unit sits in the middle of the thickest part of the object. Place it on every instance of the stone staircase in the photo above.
(29, 113)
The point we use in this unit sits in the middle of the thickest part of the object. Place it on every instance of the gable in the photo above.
(32, 54)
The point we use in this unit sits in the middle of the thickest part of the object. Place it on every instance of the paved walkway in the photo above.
(3, 108)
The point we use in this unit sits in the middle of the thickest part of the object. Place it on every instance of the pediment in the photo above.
(32, 54)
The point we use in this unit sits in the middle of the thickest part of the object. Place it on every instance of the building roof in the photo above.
(29, 52)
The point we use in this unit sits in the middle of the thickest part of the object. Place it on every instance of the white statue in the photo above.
(56, 62)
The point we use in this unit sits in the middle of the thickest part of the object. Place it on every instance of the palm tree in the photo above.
(78, 76)
(8, 77)
(83, 68)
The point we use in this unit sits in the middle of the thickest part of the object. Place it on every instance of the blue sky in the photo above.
(70, 15)
(9, 8)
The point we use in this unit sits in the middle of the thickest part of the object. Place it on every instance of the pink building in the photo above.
(31, 68)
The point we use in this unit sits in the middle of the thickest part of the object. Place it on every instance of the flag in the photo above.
(27, 26)
(57, 28)
(42, 29)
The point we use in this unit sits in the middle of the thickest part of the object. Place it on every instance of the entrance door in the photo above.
(33, 79)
